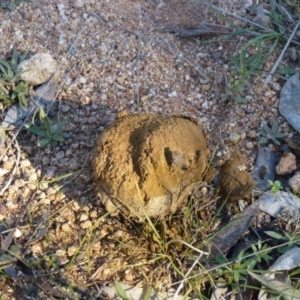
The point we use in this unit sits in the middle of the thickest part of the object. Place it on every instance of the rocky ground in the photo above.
(114, 55)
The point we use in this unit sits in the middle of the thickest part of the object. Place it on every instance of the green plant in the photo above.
(10, 4)
(252, 55)
(237, 270)
(245, 64)
(49, 133)
(275, 186)
(270, 134)
(12, 88)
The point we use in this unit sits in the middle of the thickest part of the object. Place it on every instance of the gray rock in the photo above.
(65, 108)
(45, 94)
(276, 203)
(60, 155)
(264, 169)
(289, 104)
(38, 69)
(17, 113)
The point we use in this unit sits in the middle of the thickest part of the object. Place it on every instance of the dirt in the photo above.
(149, 161)
(235, 182)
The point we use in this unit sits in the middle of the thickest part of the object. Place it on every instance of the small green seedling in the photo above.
(12, 88)
(275, 186)
(49, 133)
(271, 134)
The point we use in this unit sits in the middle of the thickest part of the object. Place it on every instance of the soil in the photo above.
(150, 163)
(116, 55)
(235, 183)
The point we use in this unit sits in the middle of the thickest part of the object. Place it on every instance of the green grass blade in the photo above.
(61, 125)
(44, 142)
(121, 292)
(36, 130)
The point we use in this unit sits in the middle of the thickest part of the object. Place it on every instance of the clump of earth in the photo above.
(235, 182)
(149, 164)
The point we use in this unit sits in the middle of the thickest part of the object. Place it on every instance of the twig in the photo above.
(281, 55)
(17, 161)
(176, 55)
(236, 16)
(185, 276)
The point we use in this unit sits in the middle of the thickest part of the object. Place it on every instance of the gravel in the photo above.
(110, 69)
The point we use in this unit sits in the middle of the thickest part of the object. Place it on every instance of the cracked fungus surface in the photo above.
(149, 162)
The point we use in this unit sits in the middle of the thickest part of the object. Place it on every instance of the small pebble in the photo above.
(25, 191)
(60, 155)
(43, 185)
(3, 172)
(249, 145)
(61, 261)
(73, 166)
(78, 3)
(103, 97)
(252, 134)
(205, 87)
(36, 249)
(66, 227)
(294, 182)
(46, 161)
(72, 250)
(33, 177)
(65, 18)
(60, 6)
(86, 224)
(276, 86)
(25, 163)
(118, 233)
(31, 186)
(65, 108)
(287, 164)
(11, 205)
(75, 146)
(120, 80)
(20, 183)
(82, 80)
(8, 165)
(83, 217)
(92, 120)
(76, 206)
(17, 233)
(50, 173)
(28, 149)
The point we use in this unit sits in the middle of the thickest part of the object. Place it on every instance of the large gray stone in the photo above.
(38, 68)
(289, 104)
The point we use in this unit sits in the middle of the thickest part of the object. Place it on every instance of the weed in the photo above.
(253, 54)
(245, 64)
(12, 88)
(275, 186)
(49, 133)
(270, 134)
